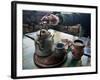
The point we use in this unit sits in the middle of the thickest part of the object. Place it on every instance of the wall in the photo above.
(5, 40)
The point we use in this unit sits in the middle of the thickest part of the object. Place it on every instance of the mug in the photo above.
(60, 49)
(78, 49)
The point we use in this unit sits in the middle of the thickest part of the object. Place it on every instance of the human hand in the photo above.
(51, 19)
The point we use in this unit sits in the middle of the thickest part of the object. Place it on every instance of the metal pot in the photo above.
(44, 43)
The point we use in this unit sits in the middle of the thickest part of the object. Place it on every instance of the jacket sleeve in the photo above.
(69, 19)
(77, 18)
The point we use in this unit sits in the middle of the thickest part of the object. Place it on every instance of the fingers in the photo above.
(44, 18)
(51, 19)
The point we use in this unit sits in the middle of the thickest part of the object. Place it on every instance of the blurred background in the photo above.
(69, 22)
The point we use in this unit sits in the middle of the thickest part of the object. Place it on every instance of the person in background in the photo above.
(31, 20)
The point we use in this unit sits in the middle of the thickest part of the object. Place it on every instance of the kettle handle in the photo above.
(37, 42)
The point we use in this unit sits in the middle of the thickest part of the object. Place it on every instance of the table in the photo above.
(29, 50)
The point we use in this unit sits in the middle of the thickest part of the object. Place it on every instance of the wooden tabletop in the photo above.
(29, 50)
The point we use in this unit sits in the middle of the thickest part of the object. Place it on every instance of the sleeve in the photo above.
(69, 19)
(72, 19)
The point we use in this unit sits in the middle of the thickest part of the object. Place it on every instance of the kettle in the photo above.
(43, 43)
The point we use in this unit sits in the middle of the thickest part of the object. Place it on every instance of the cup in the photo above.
(60, 49)
(78, 49)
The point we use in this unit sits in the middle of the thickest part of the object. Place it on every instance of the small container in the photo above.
(78, 49)
(60, 50)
